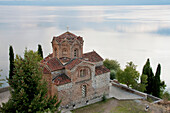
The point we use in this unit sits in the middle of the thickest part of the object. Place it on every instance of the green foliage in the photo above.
(157, 82)
(155, 86)
(162, 88)
(11, 60)
(142, 85)
(112, 74)
(166, 96)
(104, 98)
(111, 64)
(28, 89)
(147, 70)
(1, 79)
(40, 52)
(129, 75)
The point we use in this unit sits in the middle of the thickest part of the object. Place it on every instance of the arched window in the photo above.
(76, 53)
(83, 72)
(84, 91)
(64, 52)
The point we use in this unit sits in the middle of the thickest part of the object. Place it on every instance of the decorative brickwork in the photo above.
(75, 77)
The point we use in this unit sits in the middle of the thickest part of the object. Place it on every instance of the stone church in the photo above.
(76, 77)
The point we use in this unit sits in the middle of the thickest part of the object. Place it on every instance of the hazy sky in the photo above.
(84, 2)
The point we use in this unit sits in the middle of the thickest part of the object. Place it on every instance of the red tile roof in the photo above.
(54, 64)
(101, 69)
(46, 71)
(47, 58)
(73, 63)
(69, 36)
(92, 57)
(61, 79)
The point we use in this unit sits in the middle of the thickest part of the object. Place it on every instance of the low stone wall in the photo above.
(144, 95)
(4, 95)
(4, 89)
(153, 98)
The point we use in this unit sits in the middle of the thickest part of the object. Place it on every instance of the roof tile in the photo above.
(69, 36)
(61, 79)
(101, 69)
(92, 57)
(54, 64)
(73, 63)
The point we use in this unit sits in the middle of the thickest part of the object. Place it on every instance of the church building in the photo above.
(74, 76)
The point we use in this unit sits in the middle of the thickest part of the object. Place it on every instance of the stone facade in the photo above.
(73, 76)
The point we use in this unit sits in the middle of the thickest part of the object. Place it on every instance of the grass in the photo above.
(112, 106)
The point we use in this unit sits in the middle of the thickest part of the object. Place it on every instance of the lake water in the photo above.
(125, 33)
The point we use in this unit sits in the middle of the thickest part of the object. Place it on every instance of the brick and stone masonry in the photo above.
(73, 76)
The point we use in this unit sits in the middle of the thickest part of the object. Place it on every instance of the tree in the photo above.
(11, 60)
(143, 83)
(113, 66)
(40, 52)
(147, 70)
(157, 82)
(28, 89)
(129, 75)
(166, 96)
(112, 74)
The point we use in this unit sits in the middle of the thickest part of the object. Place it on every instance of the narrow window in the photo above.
(55, 52)
(82, 72)
(76, 53)
(84, 91)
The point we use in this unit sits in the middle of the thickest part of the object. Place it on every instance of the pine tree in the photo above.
(40, 52)
(28, 89)
(147, 70)
(157, 82)
(11, 60)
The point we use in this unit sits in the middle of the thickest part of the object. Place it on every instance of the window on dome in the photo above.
(82, 72)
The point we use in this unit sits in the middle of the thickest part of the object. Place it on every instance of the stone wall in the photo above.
(102, 84)
(98, 63)
(64, 93)
(59, 47)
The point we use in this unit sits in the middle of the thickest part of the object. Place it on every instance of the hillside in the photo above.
(124, 106)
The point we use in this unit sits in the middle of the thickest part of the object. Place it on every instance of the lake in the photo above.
(124, 33)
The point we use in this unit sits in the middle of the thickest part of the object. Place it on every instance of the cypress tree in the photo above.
(40, 52)
(11, 60)
(157, 82)
(147, 70)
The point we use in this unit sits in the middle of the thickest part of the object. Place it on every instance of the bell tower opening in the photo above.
(75, 53)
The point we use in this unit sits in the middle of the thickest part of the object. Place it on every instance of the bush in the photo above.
(112, 74)
(104, 98)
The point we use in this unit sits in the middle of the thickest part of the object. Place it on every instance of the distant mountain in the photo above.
(83, 2)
